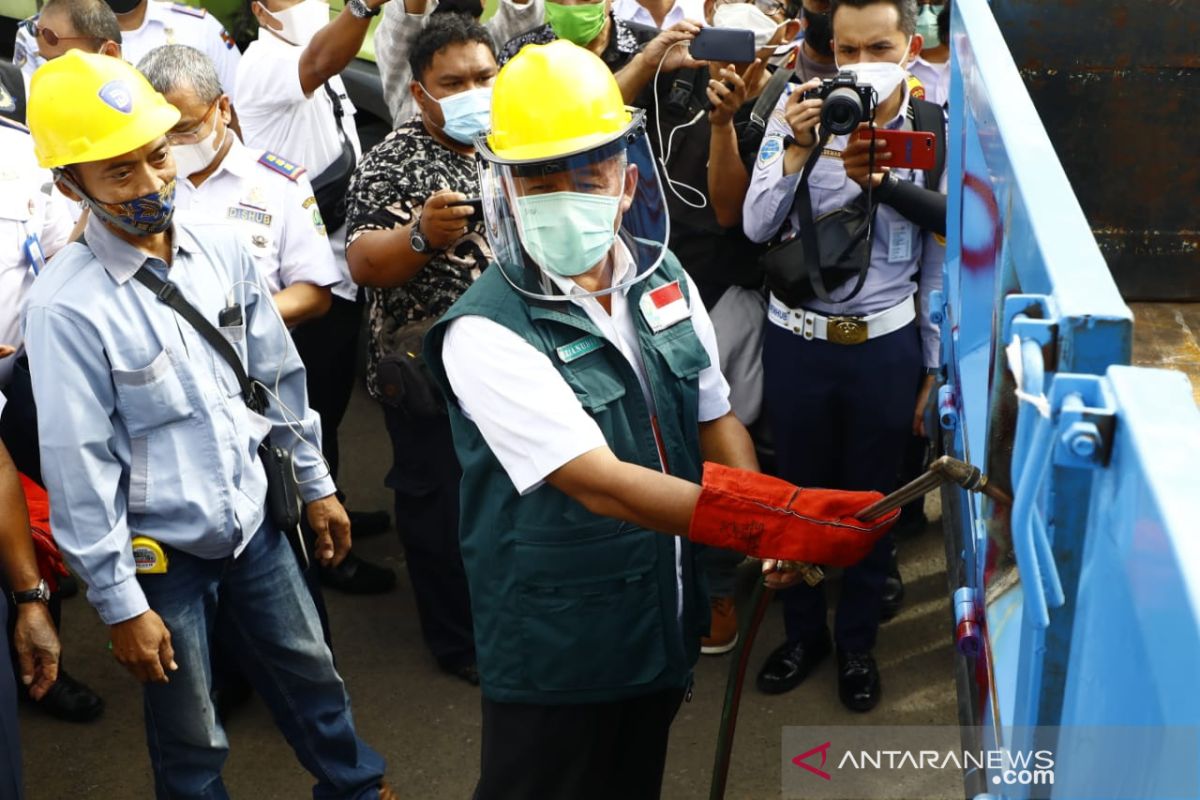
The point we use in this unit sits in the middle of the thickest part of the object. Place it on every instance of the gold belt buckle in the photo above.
(846, 330)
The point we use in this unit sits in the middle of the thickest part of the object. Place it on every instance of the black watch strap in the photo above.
(38, 594)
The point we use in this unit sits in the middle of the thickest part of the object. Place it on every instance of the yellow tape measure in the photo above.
(148, 556)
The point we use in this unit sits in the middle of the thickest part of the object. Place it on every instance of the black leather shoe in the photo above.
(365, 524)
(893, 597)
(356, 576)
(71, 701)
(790, 664)
(858, 680)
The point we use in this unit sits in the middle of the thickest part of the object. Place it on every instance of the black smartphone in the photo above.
(476, 205)
(731, 45)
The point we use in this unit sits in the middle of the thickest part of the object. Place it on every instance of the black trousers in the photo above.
(424, 479)
(842, 418)
(328, 346)
(598, 751)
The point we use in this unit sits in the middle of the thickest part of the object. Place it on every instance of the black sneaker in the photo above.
(356, 576)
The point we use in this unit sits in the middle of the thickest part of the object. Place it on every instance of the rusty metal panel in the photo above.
(1117, 85)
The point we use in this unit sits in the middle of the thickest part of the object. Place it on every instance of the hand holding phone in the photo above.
(902, 149)
(729, 45)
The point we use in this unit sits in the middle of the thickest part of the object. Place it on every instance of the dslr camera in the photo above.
(847, 103)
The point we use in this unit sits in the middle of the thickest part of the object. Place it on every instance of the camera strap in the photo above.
(168, 293)
(808, 232)
(766, 102)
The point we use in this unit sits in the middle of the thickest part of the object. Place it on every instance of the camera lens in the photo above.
(842, 112)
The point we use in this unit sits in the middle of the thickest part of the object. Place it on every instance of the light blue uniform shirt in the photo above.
(904, 259)
(142, 424)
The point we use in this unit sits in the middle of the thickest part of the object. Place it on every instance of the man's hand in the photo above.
(856, 159)
(332, 525)
(143, 646)
(667, 48)
(918, 425)
(779, 574)
(36, 643)
(7, 350)
(803, 115)
(727, 91)
(444, 219)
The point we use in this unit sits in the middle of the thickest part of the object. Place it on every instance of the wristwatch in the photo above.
(38, 594)
(361, 10)
(417, 240)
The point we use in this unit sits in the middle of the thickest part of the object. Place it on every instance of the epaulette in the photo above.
(279, 164)
(915, 87)
(191, 11)
(5, 122)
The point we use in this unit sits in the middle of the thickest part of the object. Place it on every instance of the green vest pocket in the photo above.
(590, 610)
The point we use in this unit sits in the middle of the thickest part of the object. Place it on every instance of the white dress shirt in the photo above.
(633, 11)
(273, 213)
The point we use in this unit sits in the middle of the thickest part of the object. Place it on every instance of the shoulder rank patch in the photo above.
(916, 89)
(279, 164)
(191, 11)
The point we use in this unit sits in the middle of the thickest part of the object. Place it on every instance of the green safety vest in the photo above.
(568, 606)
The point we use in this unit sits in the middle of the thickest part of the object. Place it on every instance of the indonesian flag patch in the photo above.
(664, 306)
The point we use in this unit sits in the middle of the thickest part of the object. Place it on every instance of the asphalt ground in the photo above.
(427, 724)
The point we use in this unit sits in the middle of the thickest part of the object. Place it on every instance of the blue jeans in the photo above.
(275, 633)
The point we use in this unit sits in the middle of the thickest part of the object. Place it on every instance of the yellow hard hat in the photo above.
(553, 100)
(88, 107)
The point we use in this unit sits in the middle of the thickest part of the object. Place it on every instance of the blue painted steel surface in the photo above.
(1027, 292)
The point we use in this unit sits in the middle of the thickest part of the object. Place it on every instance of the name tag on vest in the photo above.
(579, 348)
(664, 307)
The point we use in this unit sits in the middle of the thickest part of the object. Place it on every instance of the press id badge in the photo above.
(900, 242)
(33, 253)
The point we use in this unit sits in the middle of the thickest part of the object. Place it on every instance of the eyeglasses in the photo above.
(192, 136)
(53, 39)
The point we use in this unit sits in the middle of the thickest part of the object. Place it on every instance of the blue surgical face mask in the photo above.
(927, 25)
(567, 233)
(466, 114)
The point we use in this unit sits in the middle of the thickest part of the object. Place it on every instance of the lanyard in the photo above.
(34, 256)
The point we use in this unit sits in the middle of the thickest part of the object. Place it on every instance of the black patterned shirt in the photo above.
(624, 42)
(387, 191)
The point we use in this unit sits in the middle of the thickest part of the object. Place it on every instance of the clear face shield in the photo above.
(569, 215)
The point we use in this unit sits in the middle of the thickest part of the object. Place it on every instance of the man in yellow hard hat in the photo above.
(585, 396)
(140, 340)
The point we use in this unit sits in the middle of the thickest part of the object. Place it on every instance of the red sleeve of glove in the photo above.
(49, 558)
(767, 517)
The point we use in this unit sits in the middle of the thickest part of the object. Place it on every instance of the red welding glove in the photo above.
(767, 517)
(49, 559)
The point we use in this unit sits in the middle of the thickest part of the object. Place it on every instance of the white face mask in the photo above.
(746, 16)
(193, 158)
(301, 21)
(884, 76)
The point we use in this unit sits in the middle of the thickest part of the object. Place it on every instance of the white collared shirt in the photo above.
(276, 114)
(633, 11)
(276, 216)
(934, 77)
(28, 208)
